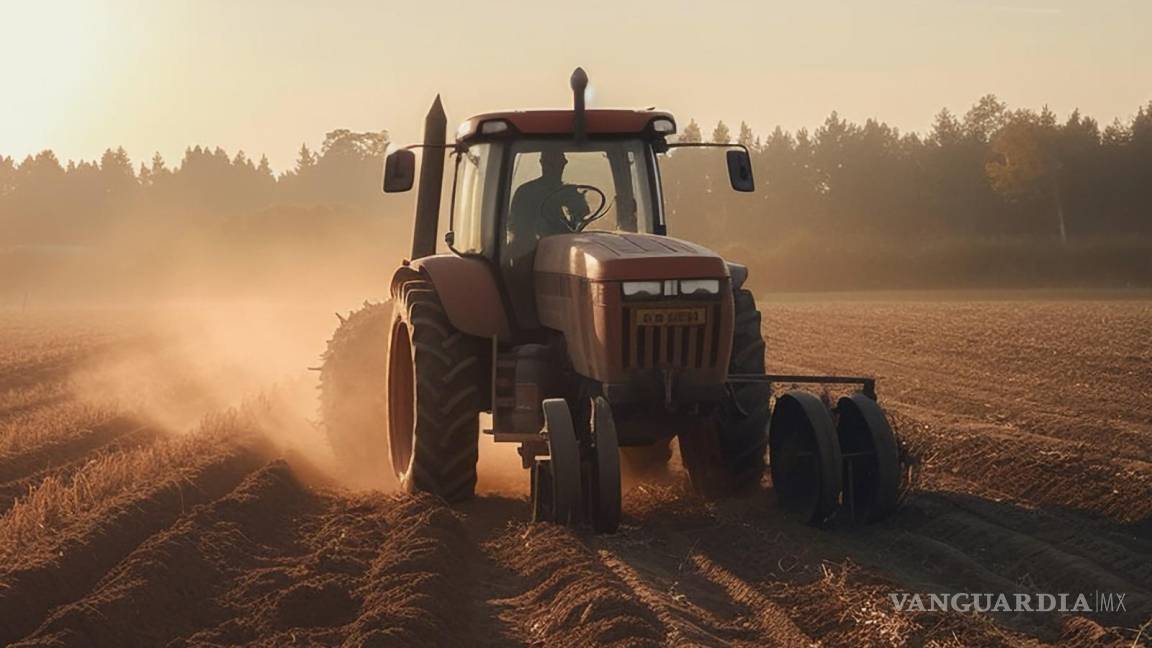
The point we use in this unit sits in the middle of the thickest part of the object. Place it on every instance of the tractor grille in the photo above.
(679, 347)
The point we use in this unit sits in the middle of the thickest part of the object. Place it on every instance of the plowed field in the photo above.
(148, 498)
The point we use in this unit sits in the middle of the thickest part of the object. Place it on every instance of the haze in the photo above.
(80, 76)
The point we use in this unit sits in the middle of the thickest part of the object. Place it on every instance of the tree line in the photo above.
(842, 198)
(992, 173)
(45, 202)
(210, 225)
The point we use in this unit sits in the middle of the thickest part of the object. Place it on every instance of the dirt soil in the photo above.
(1028, 421)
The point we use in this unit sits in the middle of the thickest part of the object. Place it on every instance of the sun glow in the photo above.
(51, 54)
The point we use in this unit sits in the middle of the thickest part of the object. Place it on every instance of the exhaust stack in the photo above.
(431, 182)
(579, 85)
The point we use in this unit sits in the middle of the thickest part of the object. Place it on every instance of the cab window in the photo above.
(559, 187)
(477, 178)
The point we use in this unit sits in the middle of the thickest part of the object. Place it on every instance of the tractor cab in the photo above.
(512, 188)
(521, 177)
(524, 176)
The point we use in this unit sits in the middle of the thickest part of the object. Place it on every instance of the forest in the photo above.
(995, 197)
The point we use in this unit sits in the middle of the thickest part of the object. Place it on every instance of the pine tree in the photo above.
(746, 138)
(7, 176)
(305, 160)
(946, 129)
(116, 163)
(721, 134)
(691, 134)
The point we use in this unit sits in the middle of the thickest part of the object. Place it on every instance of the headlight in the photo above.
(641, 288)
(664, 126)
(699, 286)
(493, 126)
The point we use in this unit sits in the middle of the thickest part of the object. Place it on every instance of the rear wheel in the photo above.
(434, 397)
(728, 457)
(353, 396)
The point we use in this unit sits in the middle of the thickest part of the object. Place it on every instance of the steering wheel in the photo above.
(575, 223)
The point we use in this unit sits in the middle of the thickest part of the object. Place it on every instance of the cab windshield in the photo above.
(558, 187)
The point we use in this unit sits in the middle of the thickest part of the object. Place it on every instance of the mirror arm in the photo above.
(455, 148)
(745, 182)
(673, 145)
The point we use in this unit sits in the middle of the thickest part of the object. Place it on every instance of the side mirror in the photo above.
(399, 171)
(740, 170)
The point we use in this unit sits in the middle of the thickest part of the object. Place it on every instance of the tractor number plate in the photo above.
(670, 316)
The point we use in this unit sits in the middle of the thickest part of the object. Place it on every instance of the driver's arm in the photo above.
(575, 203)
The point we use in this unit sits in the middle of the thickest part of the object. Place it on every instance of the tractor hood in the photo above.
(624, 256)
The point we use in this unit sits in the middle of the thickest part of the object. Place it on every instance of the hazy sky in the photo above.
(261, 75)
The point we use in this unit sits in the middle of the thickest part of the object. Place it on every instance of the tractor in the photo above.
(564, 313)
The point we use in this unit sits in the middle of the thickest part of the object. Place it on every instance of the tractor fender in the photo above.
(467, 288)
(739, 274)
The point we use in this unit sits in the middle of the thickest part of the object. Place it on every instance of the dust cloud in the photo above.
(219, 312)
(196, 359)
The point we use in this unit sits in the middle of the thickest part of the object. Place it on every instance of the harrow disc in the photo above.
(871, 459)
(604, 500)
(556, 492)
(804, 456)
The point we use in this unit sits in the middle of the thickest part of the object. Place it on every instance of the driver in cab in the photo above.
(543, 207)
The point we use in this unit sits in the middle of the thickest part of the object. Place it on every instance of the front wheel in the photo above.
(434, 397)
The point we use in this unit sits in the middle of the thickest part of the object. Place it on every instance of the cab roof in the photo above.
(602, 121)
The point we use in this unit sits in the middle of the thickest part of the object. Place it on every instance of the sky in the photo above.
(78, 76)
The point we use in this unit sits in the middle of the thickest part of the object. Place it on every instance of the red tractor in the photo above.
(565, 310)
